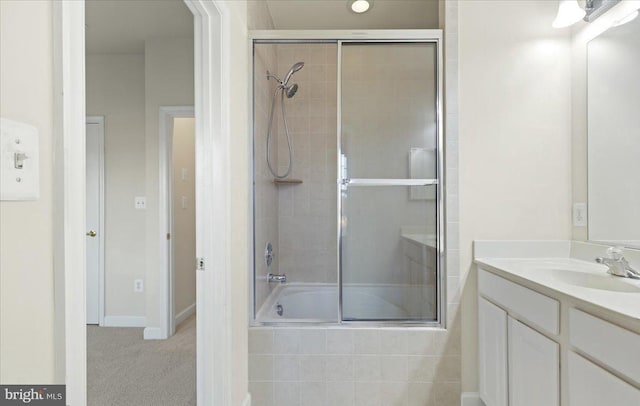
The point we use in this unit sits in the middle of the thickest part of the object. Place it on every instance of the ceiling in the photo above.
(121, 26)
(334, 14)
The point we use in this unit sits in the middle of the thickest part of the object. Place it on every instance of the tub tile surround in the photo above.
(353, 366)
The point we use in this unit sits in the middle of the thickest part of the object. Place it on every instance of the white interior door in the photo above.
(94, 159)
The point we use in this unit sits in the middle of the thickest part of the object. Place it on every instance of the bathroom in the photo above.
(436, 225)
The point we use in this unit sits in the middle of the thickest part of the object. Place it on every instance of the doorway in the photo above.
(177, 215)
(95, 219)
(215, 29)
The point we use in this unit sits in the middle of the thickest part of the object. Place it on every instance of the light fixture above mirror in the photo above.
(570, 12)
(360, 6)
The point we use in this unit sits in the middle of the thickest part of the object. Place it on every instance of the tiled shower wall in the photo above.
(266, 192)
(307, 212)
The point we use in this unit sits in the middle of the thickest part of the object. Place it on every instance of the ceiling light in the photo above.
(569, 12)
(359, 6)
(626, 19)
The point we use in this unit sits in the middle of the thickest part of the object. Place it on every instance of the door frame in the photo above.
(212, 51)
(99, 120)
(165, 147)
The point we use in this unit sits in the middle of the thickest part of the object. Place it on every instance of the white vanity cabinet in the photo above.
(520, 355)
(518, 365)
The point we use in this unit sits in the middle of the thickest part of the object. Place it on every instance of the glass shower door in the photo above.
(390, 192)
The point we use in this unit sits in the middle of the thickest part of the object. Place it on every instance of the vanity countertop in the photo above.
(580, 280)
(423, 239)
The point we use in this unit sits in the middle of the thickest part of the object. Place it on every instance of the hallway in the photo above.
(123, 369)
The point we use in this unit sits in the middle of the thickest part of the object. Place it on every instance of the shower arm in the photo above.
(271, 75)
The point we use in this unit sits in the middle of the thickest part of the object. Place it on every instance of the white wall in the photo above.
(515, 136)
(26, 228)
(168, 79)
(115, 90)
(184, 216)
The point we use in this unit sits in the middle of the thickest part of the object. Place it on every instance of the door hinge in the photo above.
(168, 236)
(200, 263)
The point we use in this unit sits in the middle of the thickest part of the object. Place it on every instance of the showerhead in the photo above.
(291, 90)
(296, 67)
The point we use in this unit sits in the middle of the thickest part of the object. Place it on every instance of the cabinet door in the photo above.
(590, 385)
(534, 367)
(492, 349)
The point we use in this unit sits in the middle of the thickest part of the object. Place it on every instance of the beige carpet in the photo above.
(123, 369)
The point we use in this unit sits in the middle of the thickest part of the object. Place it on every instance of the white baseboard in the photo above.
(153, 333)
(247, 400)
(471, 399)
(124, 321)
(183, 315)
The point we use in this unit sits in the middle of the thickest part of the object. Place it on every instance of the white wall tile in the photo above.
(341, 393)
(286, 341)
(367, 394)
(339, 368)
(394, 393)
(312, 368)
(286, 367)
(339, 341)
(285, 394)
(260, 341)
(366, 341)
(313, 341)
(260, 367)
(366, 367)
(394, 368)
(313, 393)
(393, 342)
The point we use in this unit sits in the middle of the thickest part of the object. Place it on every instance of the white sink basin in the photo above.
(596, 281)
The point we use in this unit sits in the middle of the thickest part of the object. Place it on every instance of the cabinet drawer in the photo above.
(538, 309)
(590, 385)
(614, 346)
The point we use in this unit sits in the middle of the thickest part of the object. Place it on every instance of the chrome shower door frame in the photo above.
(341, 37)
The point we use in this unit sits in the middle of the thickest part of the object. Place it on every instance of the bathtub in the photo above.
(318, 303)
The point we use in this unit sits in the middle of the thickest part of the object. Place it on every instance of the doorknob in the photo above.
(92, 233)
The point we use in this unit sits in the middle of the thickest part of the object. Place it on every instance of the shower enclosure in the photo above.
(354, 233)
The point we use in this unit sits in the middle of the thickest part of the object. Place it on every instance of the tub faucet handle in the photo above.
(280, 278)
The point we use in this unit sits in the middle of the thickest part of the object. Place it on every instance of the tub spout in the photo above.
(277, 278)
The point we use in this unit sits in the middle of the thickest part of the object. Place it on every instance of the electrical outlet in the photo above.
(138, 285)
(184, 202)
(580, 214)
(140, 202)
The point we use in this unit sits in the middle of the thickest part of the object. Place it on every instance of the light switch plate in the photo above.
(580, 214)
(19, 178)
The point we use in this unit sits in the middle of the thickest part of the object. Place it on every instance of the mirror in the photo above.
(613, 104)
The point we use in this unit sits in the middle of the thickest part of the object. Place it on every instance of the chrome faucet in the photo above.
(277, 278)
(618, 265)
